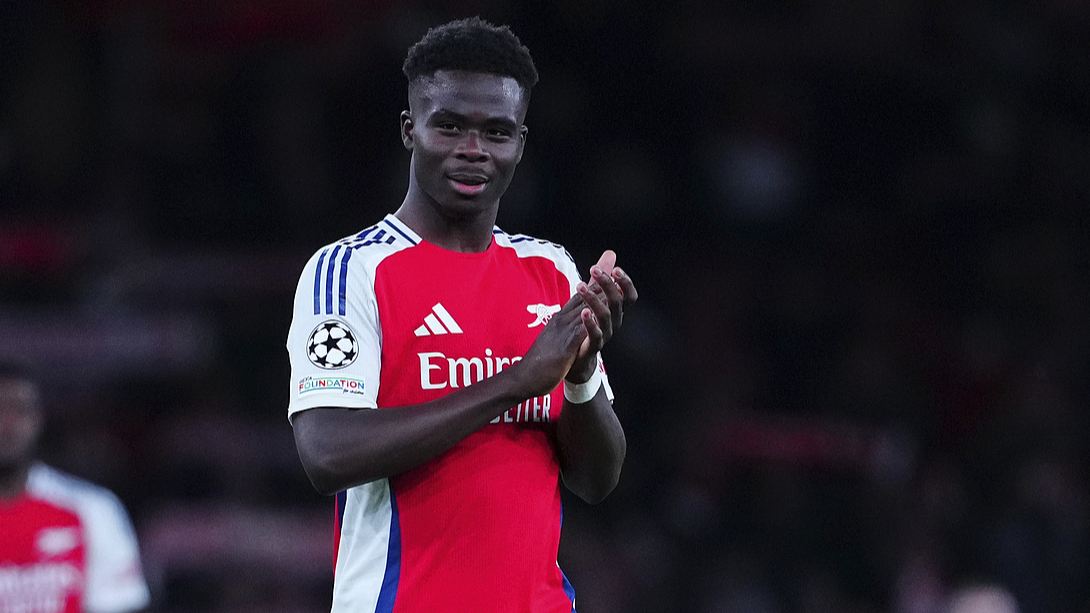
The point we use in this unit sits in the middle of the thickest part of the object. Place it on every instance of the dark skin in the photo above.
(20, 426)
(466, 135)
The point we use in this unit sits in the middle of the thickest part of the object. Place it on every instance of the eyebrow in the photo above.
(466, 118)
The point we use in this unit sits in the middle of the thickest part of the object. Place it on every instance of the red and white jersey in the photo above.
(384, 319)
(42, 557)
(67, 546)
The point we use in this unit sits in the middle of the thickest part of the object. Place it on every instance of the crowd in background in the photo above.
(855, 381)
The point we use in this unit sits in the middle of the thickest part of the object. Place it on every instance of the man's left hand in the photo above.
(606, 297)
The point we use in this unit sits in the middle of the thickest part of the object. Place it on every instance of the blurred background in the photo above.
(856, 377)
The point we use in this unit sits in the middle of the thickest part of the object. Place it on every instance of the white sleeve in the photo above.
(115, 580)
(334, 344)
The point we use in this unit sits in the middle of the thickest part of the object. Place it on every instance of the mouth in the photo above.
(468, 184)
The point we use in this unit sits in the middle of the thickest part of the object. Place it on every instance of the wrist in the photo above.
(526, 380)
(579, 393)
(579, 374)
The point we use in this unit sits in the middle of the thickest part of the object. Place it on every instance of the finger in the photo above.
(612, 293)
(566, 325)
(595, 335)
(607, 261)
(594, 287)
(598, 306)
(568, 315)
(576, 336)
(628, 289)
(574, 303)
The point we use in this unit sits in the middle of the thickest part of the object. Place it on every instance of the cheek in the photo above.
(18, 432)
(508, 165)
(507, 157)
(429, 157)
(423, 165)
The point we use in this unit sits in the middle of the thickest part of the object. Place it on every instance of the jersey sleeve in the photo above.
(334, 343)
(115, 580)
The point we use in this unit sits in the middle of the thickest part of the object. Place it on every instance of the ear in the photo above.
(407, 130)
(523, 130)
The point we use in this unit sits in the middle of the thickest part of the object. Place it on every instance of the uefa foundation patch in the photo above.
(332, 345)
(331, 384)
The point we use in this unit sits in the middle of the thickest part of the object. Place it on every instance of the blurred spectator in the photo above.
(981, 599)
(66, 546)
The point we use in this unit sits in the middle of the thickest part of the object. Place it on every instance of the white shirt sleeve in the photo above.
(334, 343)
(115, 580)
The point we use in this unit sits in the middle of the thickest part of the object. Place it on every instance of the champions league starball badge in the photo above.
(332, 345)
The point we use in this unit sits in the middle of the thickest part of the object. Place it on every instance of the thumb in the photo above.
(607, 261)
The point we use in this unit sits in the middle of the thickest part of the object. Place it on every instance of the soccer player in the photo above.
(66, 545)
(981, 598)
(477, 350)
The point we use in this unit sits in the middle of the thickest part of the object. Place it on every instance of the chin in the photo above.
(464, 207)
(10, 466)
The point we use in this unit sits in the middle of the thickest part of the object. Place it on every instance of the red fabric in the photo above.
(480, 524)
(42, 561)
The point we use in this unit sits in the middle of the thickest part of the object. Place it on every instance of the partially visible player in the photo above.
(445, 373)
(66, 545)
(981, 598)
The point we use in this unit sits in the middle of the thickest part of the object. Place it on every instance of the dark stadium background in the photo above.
(856, 379)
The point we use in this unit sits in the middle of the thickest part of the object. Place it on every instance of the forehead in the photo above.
(468, 93)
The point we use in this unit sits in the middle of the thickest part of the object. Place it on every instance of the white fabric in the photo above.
(364, 547)
(115, 580)
(361, 318)
(579, 393)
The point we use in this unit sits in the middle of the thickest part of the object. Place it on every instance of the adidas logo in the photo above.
(438, 321)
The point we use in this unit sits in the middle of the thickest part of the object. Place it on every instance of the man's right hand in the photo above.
(548, 360)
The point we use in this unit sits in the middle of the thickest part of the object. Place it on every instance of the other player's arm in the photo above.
(342, 448)
(590, 441)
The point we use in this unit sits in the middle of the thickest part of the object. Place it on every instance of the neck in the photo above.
(468, 233)
(13, 480)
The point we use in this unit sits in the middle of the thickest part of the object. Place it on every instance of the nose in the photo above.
(470, 148)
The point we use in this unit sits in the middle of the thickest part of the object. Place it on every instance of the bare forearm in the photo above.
(341, 448)
(591, 445)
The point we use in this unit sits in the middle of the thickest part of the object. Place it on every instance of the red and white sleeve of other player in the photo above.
(384, 319)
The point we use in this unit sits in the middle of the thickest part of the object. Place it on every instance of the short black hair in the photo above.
(471, 45)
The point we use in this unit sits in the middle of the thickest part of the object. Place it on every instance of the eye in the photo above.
(448, 126)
